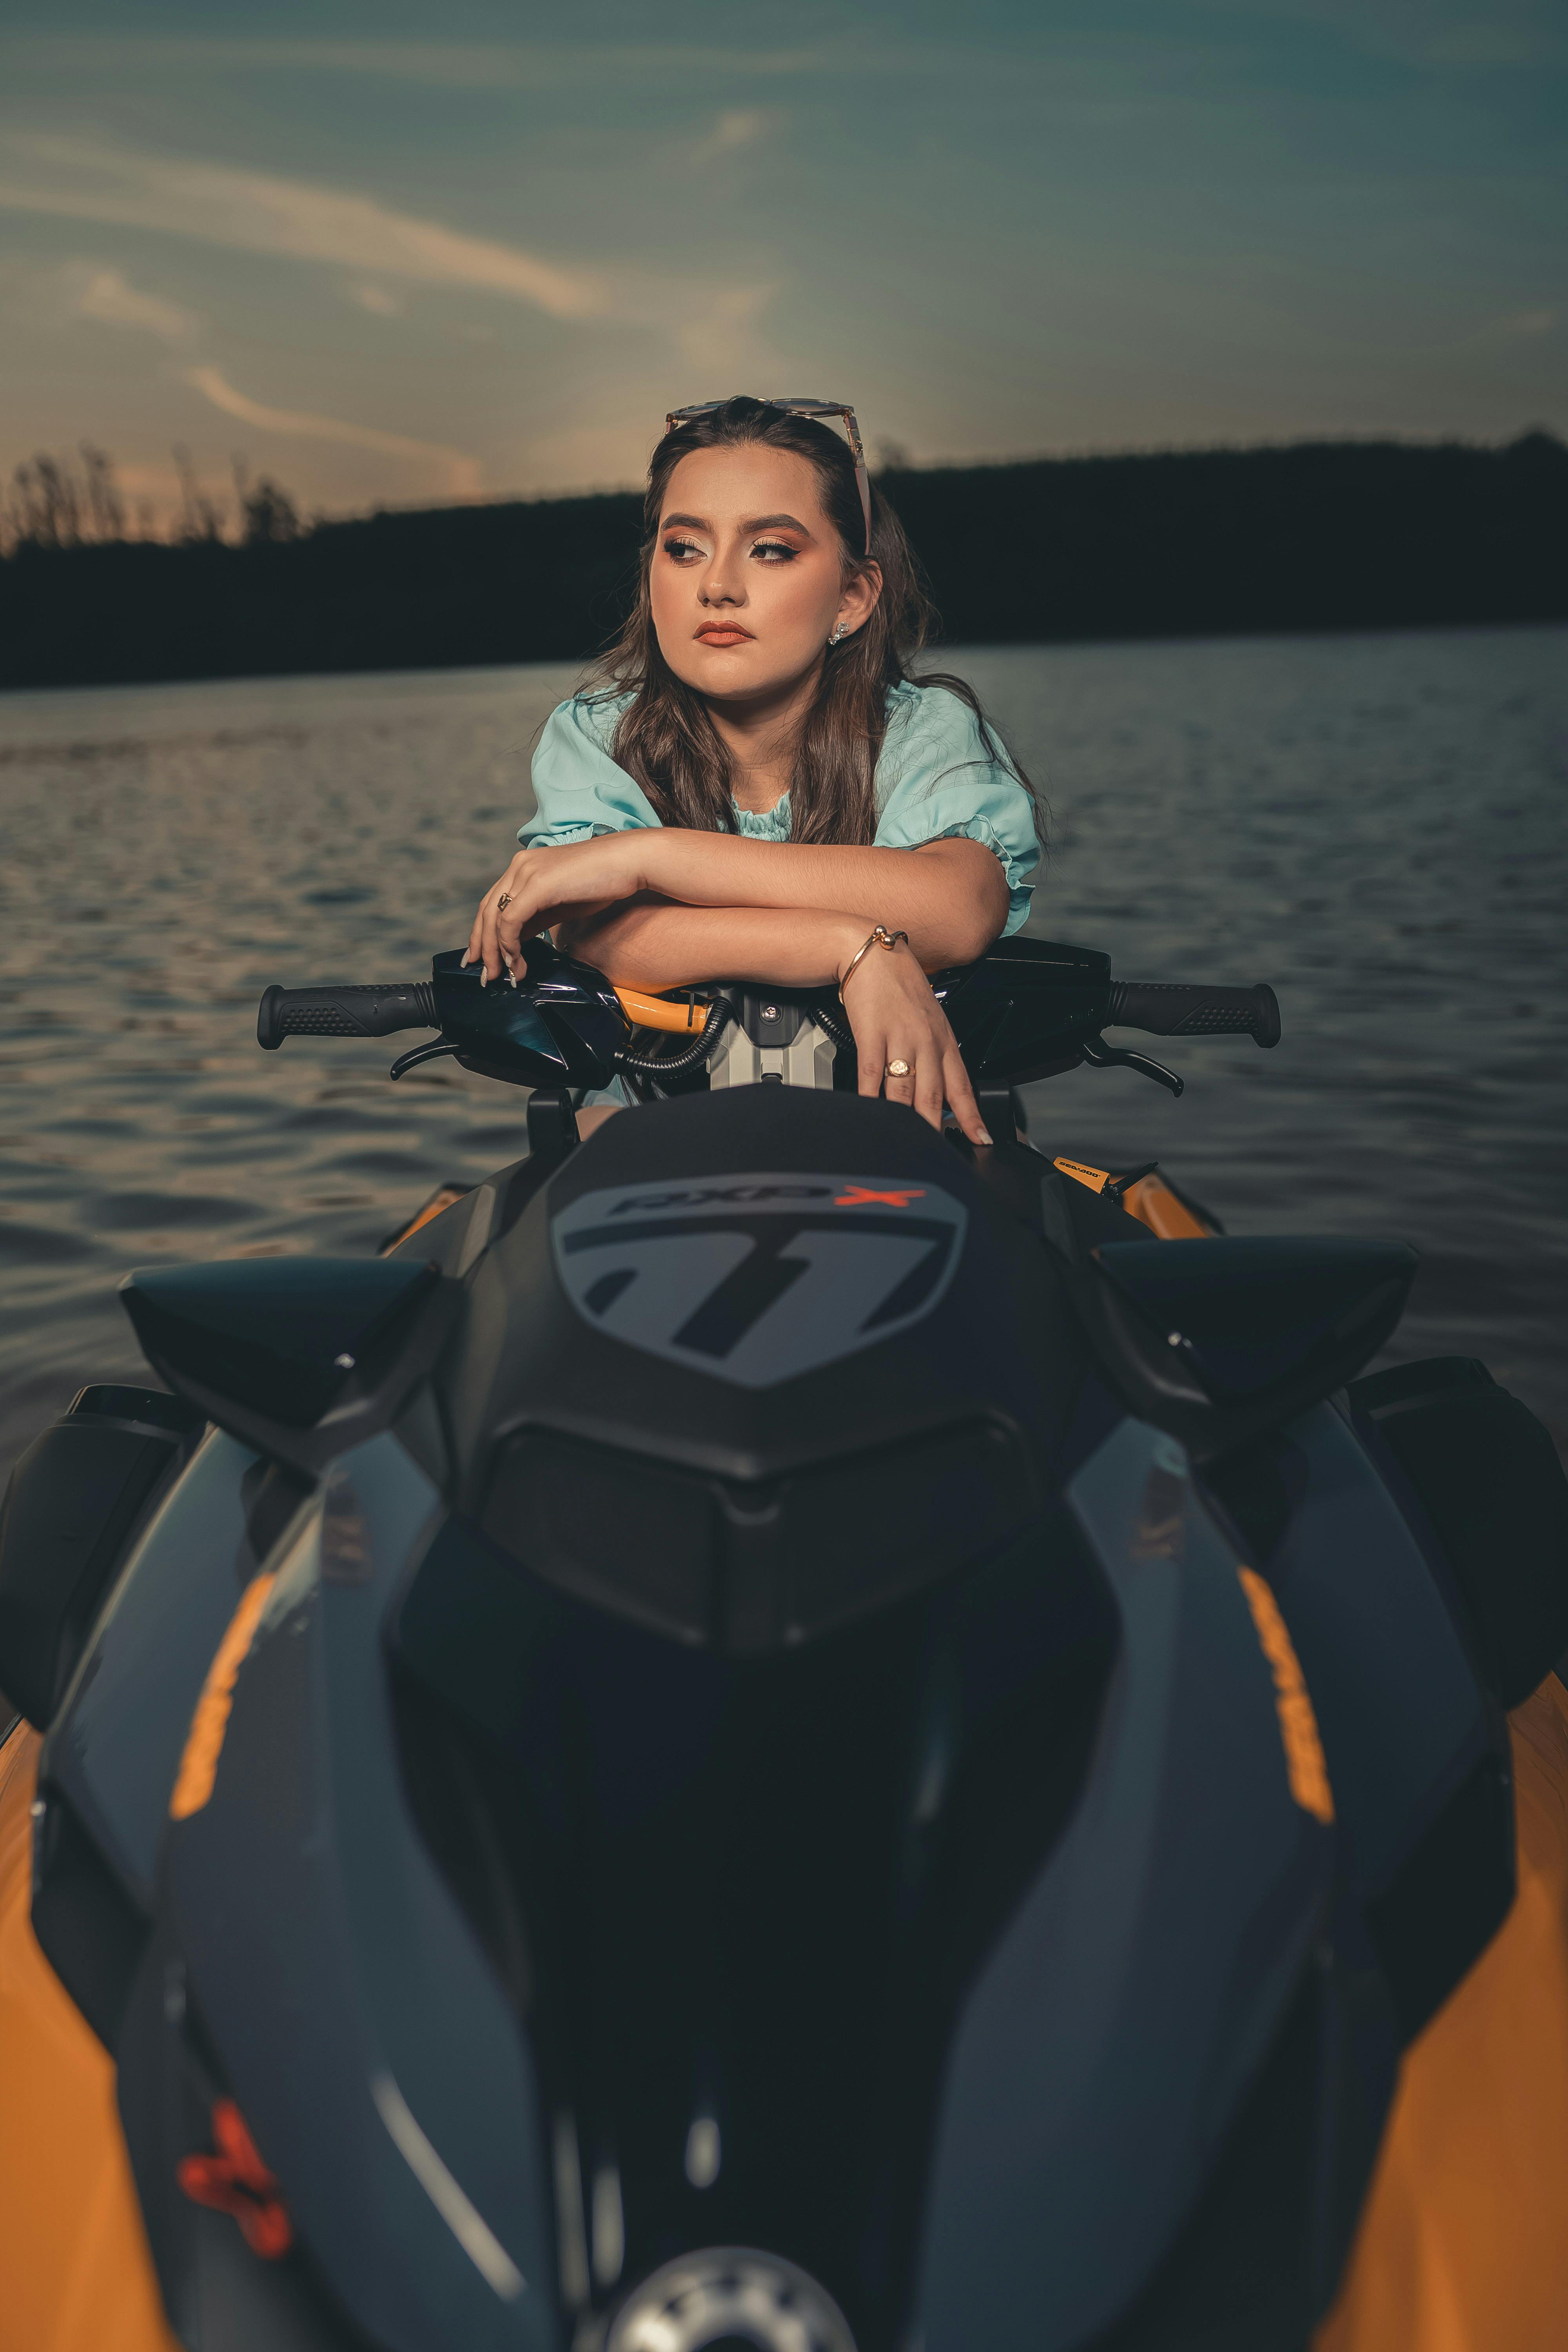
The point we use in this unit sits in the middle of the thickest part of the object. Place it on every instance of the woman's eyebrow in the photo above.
(757, 523)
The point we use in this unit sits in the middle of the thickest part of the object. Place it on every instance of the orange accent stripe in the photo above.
(1304, 1760)
(209, 1724)
(445, 1199)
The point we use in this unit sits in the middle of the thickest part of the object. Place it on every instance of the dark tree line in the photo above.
(1332, 535)
(61, 502)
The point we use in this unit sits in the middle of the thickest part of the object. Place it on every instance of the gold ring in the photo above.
(504, 900)
(898, 1069)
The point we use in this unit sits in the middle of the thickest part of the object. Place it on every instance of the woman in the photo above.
(758, 790)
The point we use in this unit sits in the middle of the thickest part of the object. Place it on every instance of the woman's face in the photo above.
(747, 580)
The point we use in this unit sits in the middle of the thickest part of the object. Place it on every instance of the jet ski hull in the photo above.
(770, 1695)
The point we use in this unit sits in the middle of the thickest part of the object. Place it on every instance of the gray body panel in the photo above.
(337, 1976)
(1402, 1715)
(115, 1748)
(1136, 1991)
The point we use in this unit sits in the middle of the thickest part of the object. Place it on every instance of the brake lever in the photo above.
(418, 1053)
(1101, 1056)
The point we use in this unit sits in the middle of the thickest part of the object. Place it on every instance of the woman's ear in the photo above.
(859, 601)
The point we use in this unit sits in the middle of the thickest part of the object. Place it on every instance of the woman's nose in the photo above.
(721, 585)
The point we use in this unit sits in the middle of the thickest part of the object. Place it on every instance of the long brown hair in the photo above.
(667, 740)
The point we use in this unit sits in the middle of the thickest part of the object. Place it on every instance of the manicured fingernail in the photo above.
(986, 1137)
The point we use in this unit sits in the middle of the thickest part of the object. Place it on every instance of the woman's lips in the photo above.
(723, 634)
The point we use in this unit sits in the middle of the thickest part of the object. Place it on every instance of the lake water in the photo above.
(1374, 824)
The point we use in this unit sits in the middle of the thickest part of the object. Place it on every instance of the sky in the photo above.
(390, 253)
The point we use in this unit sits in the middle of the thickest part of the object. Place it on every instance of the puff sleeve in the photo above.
(578, 789)
(938, 780)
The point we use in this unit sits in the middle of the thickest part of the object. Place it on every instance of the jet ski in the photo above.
(772, 1731)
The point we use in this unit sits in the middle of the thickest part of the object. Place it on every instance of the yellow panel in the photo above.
(75, 2272)
(1156, 1205)
(1464, 2243)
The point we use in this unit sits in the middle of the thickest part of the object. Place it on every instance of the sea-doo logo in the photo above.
(757, 1278)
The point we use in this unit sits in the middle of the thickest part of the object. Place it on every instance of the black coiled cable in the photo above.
(833, 1030)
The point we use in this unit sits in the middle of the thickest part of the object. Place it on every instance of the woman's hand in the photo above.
(544, 886)
(896, 1018)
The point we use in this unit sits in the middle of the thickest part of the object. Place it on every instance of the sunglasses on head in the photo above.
(679, 417)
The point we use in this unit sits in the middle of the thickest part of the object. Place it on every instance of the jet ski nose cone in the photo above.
(725, 2296)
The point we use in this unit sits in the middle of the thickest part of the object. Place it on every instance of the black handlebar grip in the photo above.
(369, 1010)
(1168, 1008)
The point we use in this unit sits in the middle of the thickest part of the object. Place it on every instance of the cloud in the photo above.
(459, 473)
(713, 327)
(720, 337)
(587, 454)
(254, 211)
(739, 127)
(1485, 43)
(107, 298)
(1528, 322)
(450, 65)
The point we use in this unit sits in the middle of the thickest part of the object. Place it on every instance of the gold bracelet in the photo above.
(879, 939)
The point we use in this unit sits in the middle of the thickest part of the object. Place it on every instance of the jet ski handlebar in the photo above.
(1169, 1008)
(364, 1010)
(1029, 1009)
(1163, 1008)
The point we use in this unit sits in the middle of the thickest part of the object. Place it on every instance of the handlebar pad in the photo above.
(1171, 1009)
(369, 1010)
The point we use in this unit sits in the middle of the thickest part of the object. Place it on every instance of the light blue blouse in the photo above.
(935, 779)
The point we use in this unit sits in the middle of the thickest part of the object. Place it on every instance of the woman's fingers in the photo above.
(871, 1054)
(929, 1085)
(493, 938)
(899, 1066)
(482, 946)
(489, 949)
(903, 1045)
(542, 886)
(515, 922)
(520, 887)
(961, 1097)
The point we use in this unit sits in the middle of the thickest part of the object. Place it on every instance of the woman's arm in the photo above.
(892, 1013)
(950, 896)
(650, 944)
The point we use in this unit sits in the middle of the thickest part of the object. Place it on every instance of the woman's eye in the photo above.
(680, 548)
(773, 550)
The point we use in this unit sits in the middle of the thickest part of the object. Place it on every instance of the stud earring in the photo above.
(838, 634)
